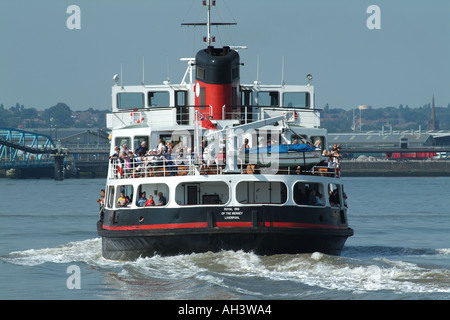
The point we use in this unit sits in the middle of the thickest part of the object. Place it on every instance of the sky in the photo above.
(397, 54)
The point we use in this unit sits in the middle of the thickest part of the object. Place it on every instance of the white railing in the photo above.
(165, 168)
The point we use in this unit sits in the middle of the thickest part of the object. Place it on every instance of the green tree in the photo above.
(59, 115)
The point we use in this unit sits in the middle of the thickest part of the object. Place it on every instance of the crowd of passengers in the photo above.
(143, 201)
(130, 163)
(313, 197)
(134, 163)
(334, 155)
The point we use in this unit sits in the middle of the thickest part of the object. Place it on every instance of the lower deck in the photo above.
(225, 190)
(266, 214)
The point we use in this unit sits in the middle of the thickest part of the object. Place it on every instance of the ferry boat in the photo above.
(219, 165)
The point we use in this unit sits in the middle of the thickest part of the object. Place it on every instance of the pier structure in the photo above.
(31, 154)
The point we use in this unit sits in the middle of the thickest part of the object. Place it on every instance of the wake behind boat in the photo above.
(211, 164)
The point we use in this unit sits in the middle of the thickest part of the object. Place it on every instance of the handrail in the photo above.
(182, 167)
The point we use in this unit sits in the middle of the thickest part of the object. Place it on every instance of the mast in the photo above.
(208, 23)
(208, 39)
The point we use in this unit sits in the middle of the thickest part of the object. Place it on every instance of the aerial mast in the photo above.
(208, 39)
(208, 23)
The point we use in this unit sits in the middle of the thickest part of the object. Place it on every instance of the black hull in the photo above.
(264, 230)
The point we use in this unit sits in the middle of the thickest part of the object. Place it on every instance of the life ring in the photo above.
(251, 169)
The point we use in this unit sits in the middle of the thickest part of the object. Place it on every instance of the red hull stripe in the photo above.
(221, 225)
(159, 226)
(302, 225)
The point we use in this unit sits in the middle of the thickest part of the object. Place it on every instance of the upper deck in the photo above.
(172, 106)
(210, 96)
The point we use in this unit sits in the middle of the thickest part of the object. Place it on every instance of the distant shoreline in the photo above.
(395, 168)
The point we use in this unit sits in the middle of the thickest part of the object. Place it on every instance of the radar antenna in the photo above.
(208, 39)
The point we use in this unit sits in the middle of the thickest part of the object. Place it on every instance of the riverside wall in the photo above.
(395, 168)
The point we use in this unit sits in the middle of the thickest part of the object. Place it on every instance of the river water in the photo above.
(400, 250)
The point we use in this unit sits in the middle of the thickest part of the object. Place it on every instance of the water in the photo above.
(400, 250)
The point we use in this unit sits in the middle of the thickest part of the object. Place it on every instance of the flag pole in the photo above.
(197, 154)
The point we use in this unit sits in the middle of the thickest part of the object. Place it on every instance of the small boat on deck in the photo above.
(286, 155)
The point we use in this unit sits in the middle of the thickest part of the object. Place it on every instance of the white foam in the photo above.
(79, 251)
(315, 270)
(443, 251)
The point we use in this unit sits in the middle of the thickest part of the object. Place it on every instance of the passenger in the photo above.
(179, 152)
(168, 159)
(334, 198)
(161, 147)
(120, 163)
(244, 152)
(162, 200)
(122, 201)
(101, 200)
(129, 163)
(142, 200)
(317, 144)
(319, 198)
(124, 148)
(139, 163)
(115, 155)
(142, 148)
(312, 200)
(150, 201)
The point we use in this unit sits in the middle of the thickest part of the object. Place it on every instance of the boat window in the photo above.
(318, 141)
(181, 101)
(202, 193)
(246, 97)
(123, 143)
(295, 139)
(158, 99)
(130, 100)
(152, 194)
(296, 99)
(249, 192)
(200, 74)
(138, 142)
(124, 196)
(268, 98)
(181, 98)
(109, 201)
(311, 194)
(334, 192)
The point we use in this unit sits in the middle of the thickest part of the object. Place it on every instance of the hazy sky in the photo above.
(43, 62)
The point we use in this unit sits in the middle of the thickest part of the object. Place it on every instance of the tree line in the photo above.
(399, 118)
(334, 119)
(59, 115)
